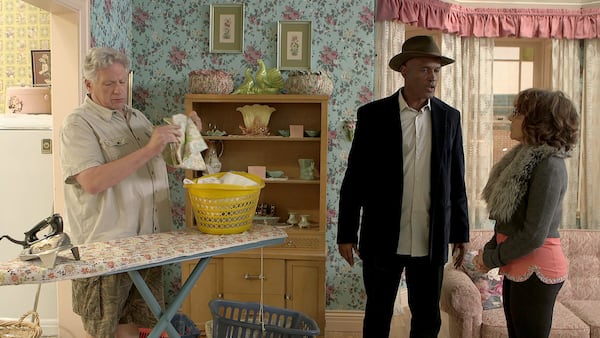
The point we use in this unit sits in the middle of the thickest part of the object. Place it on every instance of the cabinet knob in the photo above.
(248, 276)
(288, 297)
(220, 295)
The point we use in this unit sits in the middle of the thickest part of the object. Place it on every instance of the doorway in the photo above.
(70, 40)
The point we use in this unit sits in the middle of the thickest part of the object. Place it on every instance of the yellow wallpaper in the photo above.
(23, 28)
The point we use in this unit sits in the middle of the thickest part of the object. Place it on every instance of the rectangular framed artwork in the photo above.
(130, 89)
(294, 45)
(40, 67)
(226, 28)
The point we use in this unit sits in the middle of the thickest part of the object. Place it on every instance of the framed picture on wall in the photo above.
(40, 67)
(226, 28)
(130, 89)
(294, 45)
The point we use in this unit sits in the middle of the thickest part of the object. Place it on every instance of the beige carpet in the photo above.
(400, 328)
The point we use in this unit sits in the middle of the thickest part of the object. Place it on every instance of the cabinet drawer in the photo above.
(241, 275)
(296, 240)
(272, 300)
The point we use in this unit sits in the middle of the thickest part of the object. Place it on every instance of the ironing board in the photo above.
(140, 252)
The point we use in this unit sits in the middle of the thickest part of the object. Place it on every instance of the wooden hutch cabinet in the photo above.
(294, 272)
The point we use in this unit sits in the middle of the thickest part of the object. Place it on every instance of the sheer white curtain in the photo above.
(467, 85)
(566, 76)
(389, 36)
(590, 142)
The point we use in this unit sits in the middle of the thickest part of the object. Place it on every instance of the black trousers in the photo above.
(529, 307)
(381, 276)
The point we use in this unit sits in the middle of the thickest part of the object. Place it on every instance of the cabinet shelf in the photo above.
(271, 138)
(291, 181)
(299, 263)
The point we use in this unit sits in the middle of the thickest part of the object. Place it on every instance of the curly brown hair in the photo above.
(549, 118)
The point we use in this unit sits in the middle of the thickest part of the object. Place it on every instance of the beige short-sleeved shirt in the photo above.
(140, 204)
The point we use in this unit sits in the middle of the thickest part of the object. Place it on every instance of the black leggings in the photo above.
(529, 307)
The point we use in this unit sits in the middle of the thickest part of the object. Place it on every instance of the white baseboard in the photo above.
(344, 320)
(351, 321)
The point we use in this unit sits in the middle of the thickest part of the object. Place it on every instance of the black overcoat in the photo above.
(371, 192)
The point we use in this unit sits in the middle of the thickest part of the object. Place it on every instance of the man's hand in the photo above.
(197, 120)
(163, 135)
(347, 251)
(458, 254)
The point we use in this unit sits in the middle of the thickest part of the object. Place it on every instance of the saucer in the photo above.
(282, 178)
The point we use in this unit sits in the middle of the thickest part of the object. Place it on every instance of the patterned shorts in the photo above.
(104, 302)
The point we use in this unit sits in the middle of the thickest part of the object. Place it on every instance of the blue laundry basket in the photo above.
(243, 320)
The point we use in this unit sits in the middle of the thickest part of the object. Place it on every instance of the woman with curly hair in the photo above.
(524, 196)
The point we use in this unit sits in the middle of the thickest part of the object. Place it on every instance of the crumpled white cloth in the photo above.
(187, 154)
(227, 178)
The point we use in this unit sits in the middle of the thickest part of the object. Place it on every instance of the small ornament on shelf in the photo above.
(265, 81)
(349, 127)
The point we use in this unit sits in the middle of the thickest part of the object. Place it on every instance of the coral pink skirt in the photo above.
(548, 262)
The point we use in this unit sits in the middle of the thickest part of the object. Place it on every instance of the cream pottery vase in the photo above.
(256, 119)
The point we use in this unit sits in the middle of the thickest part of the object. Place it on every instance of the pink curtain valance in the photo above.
(493, 22)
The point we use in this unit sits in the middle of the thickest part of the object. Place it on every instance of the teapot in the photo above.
(213, 153)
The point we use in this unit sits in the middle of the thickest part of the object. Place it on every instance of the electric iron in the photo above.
(48, 247)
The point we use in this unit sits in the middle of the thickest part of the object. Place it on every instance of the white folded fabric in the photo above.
(187, 154)
(232, 178)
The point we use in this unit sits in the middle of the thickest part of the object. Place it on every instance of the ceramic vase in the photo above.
(307, 168)
(256, 119)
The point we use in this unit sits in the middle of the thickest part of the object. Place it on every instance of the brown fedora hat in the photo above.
(418, 46)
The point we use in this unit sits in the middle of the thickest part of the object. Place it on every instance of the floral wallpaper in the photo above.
(111, 24)
(168, 39)
(24, 28)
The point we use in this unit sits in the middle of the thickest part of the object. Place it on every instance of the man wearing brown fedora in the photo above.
(403, 197)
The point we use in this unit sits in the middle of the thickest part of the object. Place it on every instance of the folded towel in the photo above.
(187, 154)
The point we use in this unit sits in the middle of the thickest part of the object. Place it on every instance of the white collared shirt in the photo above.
(416, 151)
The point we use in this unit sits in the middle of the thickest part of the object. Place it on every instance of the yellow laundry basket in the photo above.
(224, 208)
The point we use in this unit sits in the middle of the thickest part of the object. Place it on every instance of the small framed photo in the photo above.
(294, 45)
(40, 67)
(226, 28)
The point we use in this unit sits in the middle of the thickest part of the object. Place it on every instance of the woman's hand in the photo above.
(479, 264)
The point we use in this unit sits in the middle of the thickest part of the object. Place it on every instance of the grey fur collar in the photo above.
(509, 178)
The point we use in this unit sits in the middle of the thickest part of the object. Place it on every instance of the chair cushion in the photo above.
(588, 311)
(489, 284)
(565, 324)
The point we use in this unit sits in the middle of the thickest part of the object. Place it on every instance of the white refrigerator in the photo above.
(26, 197)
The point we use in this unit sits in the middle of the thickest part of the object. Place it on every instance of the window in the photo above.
(518, 64)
